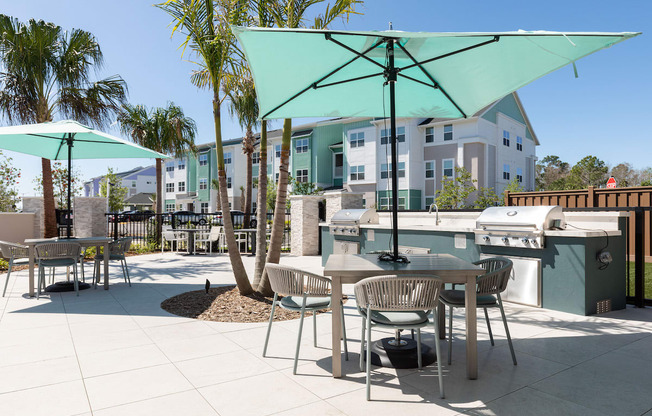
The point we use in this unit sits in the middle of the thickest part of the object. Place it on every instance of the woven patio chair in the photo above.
(13, 252)
(117, 250)
(57, 254)
(488, 289)
(302, 291)
(398, 303)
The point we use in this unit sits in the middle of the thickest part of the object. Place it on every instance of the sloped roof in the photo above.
(140, 198)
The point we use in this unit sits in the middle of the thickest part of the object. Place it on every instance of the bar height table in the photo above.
(351, 268)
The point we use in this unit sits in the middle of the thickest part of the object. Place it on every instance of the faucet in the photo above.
(436, 212)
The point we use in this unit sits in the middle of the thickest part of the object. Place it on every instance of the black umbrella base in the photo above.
(66, 287)
(384, 354)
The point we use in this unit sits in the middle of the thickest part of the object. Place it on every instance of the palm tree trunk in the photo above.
(261, 208)
(247, 199)
(159, 199)
(49, 212)
(274, 254)
(239, 272)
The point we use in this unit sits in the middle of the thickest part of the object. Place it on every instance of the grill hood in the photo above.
(355, 216)
(537, 218)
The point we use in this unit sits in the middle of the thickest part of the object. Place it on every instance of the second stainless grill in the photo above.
(521, 227)
(347, 221)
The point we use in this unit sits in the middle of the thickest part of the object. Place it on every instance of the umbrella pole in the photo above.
(68, 231)
(391, 80)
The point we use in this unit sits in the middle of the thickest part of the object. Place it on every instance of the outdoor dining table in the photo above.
(351, 268)
(83, 241)
(191, 238)
(251, 237)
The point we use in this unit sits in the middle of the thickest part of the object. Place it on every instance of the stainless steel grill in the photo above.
(521, 227)
(347, 221)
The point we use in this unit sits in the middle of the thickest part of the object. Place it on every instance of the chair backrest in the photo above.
(215, 233)
(394, 293)
(120, 246)
(169, 235)
(58, 250)
(294, 282)
(496, 277)
(14, 250)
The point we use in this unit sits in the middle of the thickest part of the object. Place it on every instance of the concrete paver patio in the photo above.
(117, 352)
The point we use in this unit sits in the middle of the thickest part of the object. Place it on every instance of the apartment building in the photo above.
(497, 145)
(137, 180)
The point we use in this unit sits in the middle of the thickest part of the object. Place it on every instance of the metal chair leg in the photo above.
(41, 276)
(314, 328)
(486, 317)
(450, 334)
(11, 263)
(127, 271)
(509, 338)
(368, 354)
(269, 327)
(438, 351)
(75, 278)
(419, 358)
(364, 323)
(296, 353)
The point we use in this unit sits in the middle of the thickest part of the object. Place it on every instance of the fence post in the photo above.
(115, 227)
(590, 199)
(639, 260)
(506, 197)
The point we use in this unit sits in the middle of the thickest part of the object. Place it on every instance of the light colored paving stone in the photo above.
(188, 403)
(62, 399)
(99, 341)
(183, 330)
(114, 361)
(273, 393)
(131, 386)
(189, 348)
(318, 408)
(221, 368)
(38, 373)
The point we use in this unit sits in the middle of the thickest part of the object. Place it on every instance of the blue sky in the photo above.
(603, 112)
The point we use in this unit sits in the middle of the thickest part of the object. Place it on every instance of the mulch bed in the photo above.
(225, 304)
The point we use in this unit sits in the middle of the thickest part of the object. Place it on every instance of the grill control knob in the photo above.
(533, 242)
(525, 241)
(486, 239)
(505, 240)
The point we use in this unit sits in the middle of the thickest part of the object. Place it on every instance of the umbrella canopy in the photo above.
(317, 73)
(50, 140)
(67, 140)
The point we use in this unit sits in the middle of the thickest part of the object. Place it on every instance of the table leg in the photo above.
(441, 316)
(106, 266)
(471, 329)
(336, 346)
(253, 244)
(31, 270)
(191, 243)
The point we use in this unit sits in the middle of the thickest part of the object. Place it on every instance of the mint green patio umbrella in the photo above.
(67, 140)
(318, 73)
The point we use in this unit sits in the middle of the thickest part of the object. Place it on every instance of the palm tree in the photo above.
(46, 72)
(291, 14)
(206, 25)
(239, 88)
(165, 130)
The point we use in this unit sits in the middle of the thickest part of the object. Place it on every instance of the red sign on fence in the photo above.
(611, 183)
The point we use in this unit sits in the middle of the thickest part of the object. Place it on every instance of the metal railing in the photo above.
(144, 227)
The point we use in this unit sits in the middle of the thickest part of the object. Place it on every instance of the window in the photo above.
(169, 187)
(181, 165)
(277, 150)
(203, 159)
(430, 169)
(506, 172)
(357, 140)
(255, 158)
(386, 203)
(505, 138)
(302, 145)
(448, 132)
(253, 206)
(169, 167)
(429, 201)
(448, 168)
(229, 182)
(227, 158)
(519, 174)
(385, 133)
(519, 143)
(203, 207)
(276, 177)
(181, 187)
(302, 175)
(430, 134)
(133, 184)
(386, 169)
(203, 183)
(169, 207)
(357, 173)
